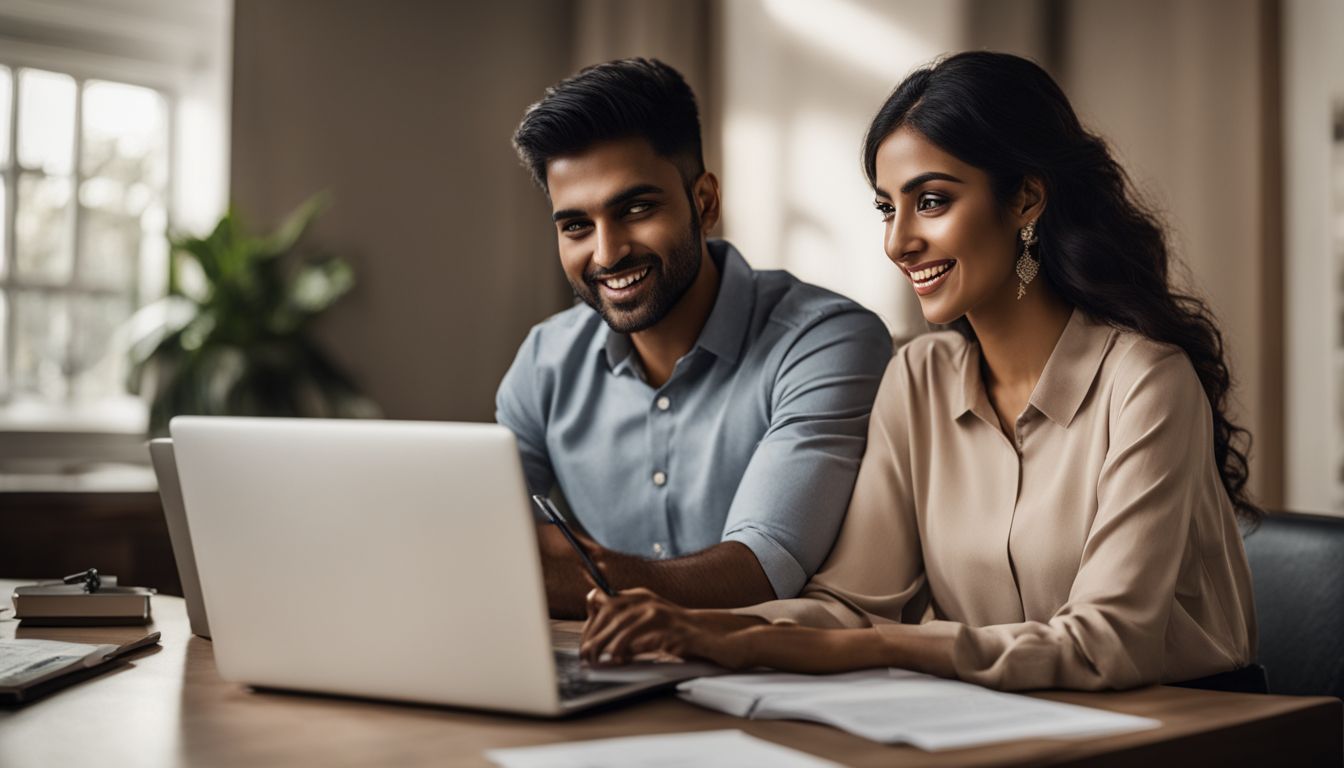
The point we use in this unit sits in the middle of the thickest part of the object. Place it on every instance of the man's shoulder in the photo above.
(799, 305)
(563, 335)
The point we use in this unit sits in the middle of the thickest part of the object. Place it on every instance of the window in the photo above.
(85, 165)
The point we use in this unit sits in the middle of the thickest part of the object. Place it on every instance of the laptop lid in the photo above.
(179, 534)
(372, 558)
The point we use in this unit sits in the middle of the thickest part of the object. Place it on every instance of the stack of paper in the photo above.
(897, 706)
(705, 749)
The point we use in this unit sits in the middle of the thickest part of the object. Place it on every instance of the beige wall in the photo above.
(1180, 91)
(801, 82)
(404, 111)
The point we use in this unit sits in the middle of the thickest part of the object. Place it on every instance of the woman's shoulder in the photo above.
(927, 361)
(939, 349)
(1139, 361)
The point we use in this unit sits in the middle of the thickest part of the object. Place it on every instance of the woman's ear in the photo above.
(705, 197)
(1030, 202)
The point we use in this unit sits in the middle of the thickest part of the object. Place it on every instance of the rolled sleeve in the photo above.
(792, 497)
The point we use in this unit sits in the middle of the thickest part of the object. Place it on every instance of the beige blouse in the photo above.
(1100, 551)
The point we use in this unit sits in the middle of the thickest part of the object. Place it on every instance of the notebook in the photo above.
(33, 668)
(895, 706)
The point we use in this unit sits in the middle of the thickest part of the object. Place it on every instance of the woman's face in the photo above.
(945, 229)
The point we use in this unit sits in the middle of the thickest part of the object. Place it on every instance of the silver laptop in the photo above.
(380, 559)
(179, 533)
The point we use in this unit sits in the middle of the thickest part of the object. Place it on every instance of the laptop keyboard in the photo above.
(569, 674)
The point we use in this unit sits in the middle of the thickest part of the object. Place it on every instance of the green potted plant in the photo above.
(237, 341)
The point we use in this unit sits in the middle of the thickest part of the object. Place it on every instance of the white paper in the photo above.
(898, 706)
(700, 749)
(23, 661)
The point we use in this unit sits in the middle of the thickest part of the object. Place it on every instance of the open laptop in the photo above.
(380, 559)
(179, 533)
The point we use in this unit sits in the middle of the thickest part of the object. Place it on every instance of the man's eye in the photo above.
(885, 209)
(639, 207)
(571, 227)
(930, 201)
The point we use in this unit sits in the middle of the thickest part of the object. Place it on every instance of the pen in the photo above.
(553, 516)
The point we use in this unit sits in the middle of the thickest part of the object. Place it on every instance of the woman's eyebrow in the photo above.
(930, 176)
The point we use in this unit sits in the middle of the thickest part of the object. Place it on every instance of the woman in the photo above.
(1050, 489)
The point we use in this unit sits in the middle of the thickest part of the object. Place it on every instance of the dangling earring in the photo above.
(1027, 266)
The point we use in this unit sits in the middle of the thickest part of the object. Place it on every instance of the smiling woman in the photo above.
(1050, 490)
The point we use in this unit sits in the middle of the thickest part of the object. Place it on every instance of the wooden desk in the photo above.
(169, 707)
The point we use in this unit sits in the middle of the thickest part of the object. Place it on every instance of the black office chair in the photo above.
(1297, 566)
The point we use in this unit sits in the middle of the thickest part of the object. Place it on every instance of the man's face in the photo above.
(630, 242)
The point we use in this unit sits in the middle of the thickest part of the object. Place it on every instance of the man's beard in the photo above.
(671, 279)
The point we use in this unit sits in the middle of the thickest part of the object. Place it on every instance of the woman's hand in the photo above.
(637, 621)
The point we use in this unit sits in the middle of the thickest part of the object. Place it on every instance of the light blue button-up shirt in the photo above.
(756, 437)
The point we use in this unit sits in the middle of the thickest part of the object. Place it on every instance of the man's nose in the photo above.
(612, 246)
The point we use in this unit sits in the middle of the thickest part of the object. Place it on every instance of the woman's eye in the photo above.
(929, 202)
(885, 209)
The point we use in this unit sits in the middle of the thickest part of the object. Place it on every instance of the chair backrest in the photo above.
(1297, 566)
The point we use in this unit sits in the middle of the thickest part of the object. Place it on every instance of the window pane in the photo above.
(41, 333)
(125, 135)
(46, 121)
(42, 233)
(153, 254)
(109, 236)
(96, 368)
(4, 342)
(4, 228)
(6, 90)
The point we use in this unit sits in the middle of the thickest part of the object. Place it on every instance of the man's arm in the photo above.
(793, 495)
(724, 576)
(517, 406)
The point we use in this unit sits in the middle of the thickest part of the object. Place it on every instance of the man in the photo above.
(704, 421)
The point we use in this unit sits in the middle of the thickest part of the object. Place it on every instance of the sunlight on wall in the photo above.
(801, 82)
(861, 37)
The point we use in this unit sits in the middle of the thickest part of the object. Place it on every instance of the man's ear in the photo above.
(705, 198)
(1030, 203)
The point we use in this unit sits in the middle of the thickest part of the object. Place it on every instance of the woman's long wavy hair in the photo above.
(1102, 250)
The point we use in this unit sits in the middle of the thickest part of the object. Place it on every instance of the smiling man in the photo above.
(703, 420)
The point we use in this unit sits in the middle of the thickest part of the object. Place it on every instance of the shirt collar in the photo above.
(1066, 380)
(728, 321)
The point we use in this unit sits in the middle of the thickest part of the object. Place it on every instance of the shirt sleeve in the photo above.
(875, 573)
(1111, 632)
(519, 405)
(792, 496)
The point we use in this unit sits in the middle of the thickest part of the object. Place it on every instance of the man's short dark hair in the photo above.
(628, 98)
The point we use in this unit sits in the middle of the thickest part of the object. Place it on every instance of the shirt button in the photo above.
(664, 403)
(659, 479)
(657, 549)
